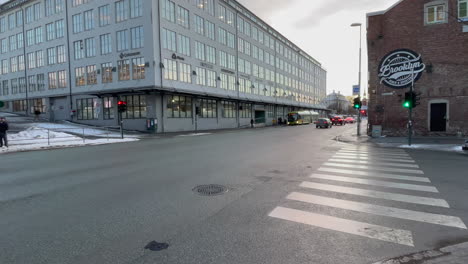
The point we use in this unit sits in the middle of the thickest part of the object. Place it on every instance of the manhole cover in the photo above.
(210, 189)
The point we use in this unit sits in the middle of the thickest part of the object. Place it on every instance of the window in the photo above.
(14, 86)
(77, 21)
(201, 76)
(6, 90)
(91, 74)
(169, 39)
(183, 17)
(19, 18)
(59, 6)
(90, 44)
(37, 11)
(50, 31)
(435, 14)
(170, 69)
(13, 40)
(49, 7)
(2, 24)
(62, 79)
(231, 40)
(29, 14)
(185, 73)
(223, 59)
(4, 44)
(122, 40)
(88, 109)
(14, 64)
(80, 79)
(12, 21)
(51, 56)
(104, 15)
(209, 108)
(32, 83)
(31, 60)
(121, 10)
(230, 18)
(29, 39)
(207, 5)
(59, 26)
(124, 70)
(210, 55)
(106, 72)
(137, 37)
(199, 50)
(183, 45)
(136, 106)
(229, 109)
(39, 58)
(463, 9)
(136, 8)
(231, 62)
(52, 80)
(79, 49)
(222, 13)
(106, 44)
(5, 66)
(245, 110)
(168, 10)
(222, 36)
(179, 106)
(210, 30)
(138, 65)
(21, 63)
(211, 78)
(61, 54)
(199, 25)
(89, 20)
(108, 104)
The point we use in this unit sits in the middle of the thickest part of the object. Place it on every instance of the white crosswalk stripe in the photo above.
(376, 175)
(369, 167)
(365, 167)
(391, 164)
(393, 235)
(377, 194)
(387, 184)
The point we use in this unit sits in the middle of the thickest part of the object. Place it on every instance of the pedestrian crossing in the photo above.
(363, 180)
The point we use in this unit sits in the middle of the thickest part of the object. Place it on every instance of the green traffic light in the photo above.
(407, 104)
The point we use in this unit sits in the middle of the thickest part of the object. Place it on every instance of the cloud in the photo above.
(332, 7)
(265, 8)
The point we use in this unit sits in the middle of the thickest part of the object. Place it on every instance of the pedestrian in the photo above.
(37, 113)
(280, 121)
(251, 123)
(3, 132)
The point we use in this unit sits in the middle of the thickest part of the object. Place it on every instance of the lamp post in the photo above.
(360, 66)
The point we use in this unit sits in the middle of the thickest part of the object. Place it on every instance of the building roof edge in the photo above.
(384, 11)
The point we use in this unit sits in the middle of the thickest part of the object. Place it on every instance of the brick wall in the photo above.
(444, 46)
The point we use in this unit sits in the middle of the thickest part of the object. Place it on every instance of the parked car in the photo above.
(323, 123)
(338, 120)
(350, 120)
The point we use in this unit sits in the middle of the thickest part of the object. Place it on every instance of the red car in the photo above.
(350, 120)
(338, 120)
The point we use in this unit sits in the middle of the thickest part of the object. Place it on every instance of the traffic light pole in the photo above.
(359, 123)
(121, 125)
(410, 111)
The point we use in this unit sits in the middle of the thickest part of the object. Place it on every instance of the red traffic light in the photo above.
(121, 103)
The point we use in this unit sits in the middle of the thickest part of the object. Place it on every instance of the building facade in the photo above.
(337, 102)
(189, 64)
(420, 44)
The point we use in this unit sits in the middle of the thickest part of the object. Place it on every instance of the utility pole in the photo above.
(360, 66)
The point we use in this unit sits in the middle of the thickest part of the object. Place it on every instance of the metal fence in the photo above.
(34, 136)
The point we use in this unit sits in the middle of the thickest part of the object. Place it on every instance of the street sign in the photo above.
(356, 90)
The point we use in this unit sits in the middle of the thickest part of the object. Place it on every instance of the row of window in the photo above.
(90, 108)
(438, 13)
(35, 83)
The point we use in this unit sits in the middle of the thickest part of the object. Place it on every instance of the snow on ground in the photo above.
(36, 138)
(437, 147)
(80, 129)
(195, 135)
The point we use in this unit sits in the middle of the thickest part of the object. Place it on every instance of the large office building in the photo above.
(189, 64)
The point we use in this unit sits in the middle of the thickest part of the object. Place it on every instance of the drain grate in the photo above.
(210, 189)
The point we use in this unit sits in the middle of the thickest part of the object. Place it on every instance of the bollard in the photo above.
(48, 137)
(84, 140)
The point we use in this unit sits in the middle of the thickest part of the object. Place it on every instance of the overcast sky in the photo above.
(322, 28)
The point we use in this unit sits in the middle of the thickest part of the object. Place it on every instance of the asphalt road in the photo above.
(104, 204)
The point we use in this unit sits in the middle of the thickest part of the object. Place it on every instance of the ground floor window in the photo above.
(245, 110)
(179, 106)
(88, 109)
(108, 103)
(19, 106)
(208, 108)
(229, 109)
(270, 111)
(136, 106)
(37, 105)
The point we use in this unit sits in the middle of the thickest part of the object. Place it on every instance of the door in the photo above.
(439, 117)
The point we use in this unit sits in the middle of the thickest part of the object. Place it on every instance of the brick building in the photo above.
(424, 43)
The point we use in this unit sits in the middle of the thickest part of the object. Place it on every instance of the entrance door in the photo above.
(439, 117)
(260, 117)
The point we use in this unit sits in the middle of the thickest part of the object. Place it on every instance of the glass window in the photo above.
(106, 72)
(199, 51)
(136, 106)
(168, 10)
(137, 37)
(229, 109)
(87, 109)
(32, 83)
(104, 15)
(2, 24)
(463, 9)
(210, 54)
(62, 79)
(37, 11)
(123, 70)
(39, 58)
(121, 10)
(38, 34)
(183, 17)
(222, 36)
(211, 78)
(199, 25)
(209, 30)
(138, 65)
(89, 20)
(201, 76)
(14, 64)
(52, 80)
(19, 18)
(170, 69)
(51, 56)
(222, 13)
(179, 106)
(49, 7)
(50, 31)
(91, 74)
(6, 89)
(106, 44)
(108, 104)
(435, 14)
(80, 73)
(5, 66)
(183, 45)
(169, 39)
(61, 54)
(12, 21)
(13, 40)
(185, 73)
(136, 8)
(59, 26)
(209, 108)
(4, 44)
(31, 60)
(90, 44)
(231, 40)
(30, 38)
(122, 40)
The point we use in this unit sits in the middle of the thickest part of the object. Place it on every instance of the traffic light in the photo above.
(411, 100)
(357, 103)
(122, 106)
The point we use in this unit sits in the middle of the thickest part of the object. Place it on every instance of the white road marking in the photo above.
(375, 163)
(343, 156)
(376, 175)
(387, 184)
(365, 167)
(430, 218)
(397, 236)
(376, 194)
(374, 154)
(367, 150)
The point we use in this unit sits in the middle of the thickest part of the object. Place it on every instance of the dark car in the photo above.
(323, 123)
(338, 120)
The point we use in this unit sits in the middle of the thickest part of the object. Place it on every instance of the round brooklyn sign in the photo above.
(400, 68)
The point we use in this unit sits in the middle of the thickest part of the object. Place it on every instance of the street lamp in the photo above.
(360, 65)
